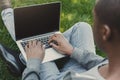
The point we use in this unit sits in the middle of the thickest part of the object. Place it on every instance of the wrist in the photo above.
(70, 51)
(33, 63)
(35, 57)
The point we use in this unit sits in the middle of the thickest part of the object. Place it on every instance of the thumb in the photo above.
(54, 45)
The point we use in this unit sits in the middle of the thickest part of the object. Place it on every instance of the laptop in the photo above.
(38, 22)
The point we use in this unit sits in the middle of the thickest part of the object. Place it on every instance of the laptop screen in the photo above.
(36, 20)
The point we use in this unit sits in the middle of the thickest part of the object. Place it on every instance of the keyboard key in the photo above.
(43, 40)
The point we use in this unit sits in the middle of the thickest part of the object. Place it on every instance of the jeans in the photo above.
(79, 35)
(8, 19)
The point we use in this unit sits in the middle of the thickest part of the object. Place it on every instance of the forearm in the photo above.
(32, 71)
(37, 71)
(86, 58)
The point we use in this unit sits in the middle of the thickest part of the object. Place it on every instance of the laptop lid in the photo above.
(37, 19)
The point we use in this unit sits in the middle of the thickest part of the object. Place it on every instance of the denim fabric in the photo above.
(8, 19)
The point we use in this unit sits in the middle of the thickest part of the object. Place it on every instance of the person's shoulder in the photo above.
(94, 72)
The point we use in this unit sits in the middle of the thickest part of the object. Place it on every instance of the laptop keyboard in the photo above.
(43, 40)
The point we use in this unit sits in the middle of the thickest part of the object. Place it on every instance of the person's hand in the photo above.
(35, 49)
(58, 42)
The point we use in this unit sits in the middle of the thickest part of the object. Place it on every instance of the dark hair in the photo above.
(108, 12)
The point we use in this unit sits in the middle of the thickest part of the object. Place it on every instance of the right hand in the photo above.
(58, 42)
(35, 49)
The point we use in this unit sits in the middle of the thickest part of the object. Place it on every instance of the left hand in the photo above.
(35, 49)
(62, 44)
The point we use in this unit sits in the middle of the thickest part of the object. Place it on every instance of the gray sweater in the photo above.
(85, 58)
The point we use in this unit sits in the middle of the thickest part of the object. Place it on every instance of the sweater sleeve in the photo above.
(32, 70)
(86, 58)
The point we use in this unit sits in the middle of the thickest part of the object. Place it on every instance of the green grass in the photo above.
(72, 11)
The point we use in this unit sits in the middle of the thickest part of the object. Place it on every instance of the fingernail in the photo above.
(50, 43)
(44, 46)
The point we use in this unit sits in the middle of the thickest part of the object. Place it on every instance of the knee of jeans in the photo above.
(83, 26)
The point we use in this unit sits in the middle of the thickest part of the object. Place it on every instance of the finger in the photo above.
(26, 48)
(50, 40)
(58, 35)
(55, 35)
(34, 43)
(39, 43)
(30, 44)
(54, 45)
(53, 39)
(43, 48)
